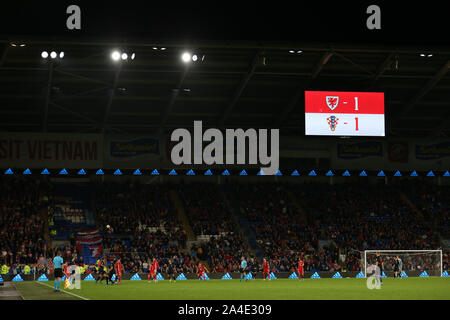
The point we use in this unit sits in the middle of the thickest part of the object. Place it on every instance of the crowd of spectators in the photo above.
(223, 253)
(281, 229)
(206, 208)
(139, 223)
(354, 217)
(22, 227)
(329, 226)
(208, 214)
(433, 203)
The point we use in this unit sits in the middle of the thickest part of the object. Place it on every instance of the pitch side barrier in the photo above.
(235, 275)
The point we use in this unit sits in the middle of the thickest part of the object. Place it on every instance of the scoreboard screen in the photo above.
(331, 113)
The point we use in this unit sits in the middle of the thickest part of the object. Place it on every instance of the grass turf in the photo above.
(432, 288)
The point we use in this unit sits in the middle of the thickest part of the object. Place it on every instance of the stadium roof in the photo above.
(238, 84)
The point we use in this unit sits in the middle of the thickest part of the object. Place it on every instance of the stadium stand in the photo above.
(139, 222)
(220, 241)
(22, 237)
(142, 224)
(69, 207)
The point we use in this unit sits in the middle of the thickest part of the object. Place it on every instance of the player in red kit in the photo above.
(265, 265)
(301, 274)
(150, 273)
(66, 270)
(201, 270)
(119, 269)
(153, 271)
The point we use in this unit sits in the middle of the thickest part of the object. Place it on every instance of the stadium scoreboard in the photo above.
(331, 113)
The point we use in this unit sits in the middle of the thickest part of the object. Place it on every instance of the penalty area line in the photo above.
(73, 294)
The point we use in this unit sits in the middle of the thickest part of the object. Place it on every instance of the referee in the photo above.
(57, 262)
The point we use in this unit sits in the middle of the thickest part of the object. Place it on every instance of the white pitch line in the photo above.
(44, 284)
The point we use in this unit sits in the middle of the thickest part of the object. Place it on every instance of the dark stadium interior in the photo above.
(87, 166)
(238, 84)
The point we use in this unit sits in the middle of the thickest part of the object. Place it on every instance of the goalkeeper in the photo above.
(398, 264)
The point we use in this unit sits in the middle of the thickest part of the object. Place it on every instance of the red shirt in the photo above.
(155, 265)
(119, 267)
(300, 264)
(201, 269)
(266, 265)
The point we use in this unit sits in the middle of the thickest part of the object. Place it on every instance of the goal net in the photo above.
(411, 260)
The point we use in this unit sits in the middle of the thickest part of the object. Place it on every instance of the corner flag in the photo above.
(66, 283)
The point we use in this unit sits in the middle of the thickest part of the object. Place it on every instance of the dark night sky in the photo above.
(402, 22)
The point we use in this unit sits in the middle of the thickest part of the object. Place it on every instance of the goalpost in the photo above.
(413, 260)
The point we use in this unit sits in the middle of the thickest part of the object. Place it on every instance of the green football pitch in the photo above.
(432, 288)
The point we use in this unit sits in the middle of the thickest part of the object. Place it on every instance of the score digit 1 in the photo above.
(356, 124)
(356, 104)
(356, 118)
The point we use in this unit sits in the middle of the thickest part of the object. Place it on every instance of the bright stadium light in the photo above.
(61, 54)
(53, 55)
(163, 49)
(133, 56)
(115, 55)
(124, 56)
(186, 57)
(194, 57)
(44, 54)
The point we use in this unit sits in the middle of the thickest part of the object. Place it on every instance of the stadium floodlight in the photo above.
(194, 57)
(44, 54)
(291, 51)
(430, 55)
(133, 55)
(124, 56)
(186, 57)
(115, 55)
(61, 54)
(299, 51)
(155, 48)
(422, 54)
(163, 49)
(53, 54)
